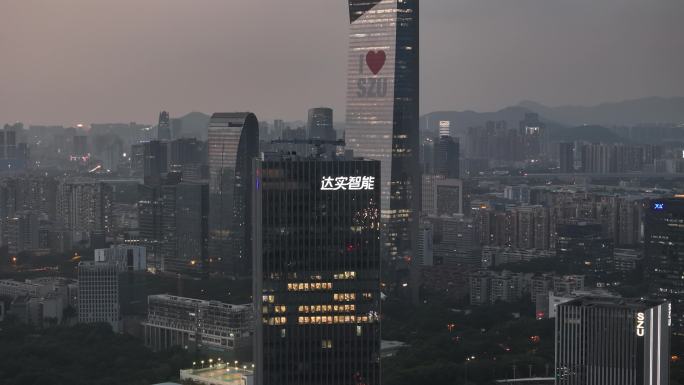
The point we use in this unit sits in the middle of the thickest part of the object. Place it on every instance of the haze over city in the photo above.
(65, 62)
(341, 192)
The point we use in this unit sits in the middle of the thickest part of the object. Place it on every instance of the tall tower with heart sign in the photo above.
(382, 110)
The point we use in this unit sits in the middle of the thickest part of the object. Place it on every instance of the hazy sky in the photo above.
(69, 61)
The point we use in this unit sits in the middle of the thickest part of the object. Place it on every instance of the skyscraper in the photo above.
(233, 141)
(164, 126)
(317, 271)
(612, 341)
(664, 254)
(566, 157)
(447, 157)
(320, 124)
(382, 108)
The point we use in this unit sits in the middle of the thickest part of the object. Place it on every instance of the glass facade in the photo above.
(317, 271)
(664, 254)
(233, 141)
(612, 341)
(382, 107)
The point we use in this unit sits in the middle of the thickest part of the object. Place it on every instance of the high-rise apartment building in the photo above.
(233, 141)
(664, 254)
(84, 209)
(612, 341)
(317, 271)
(382, 108)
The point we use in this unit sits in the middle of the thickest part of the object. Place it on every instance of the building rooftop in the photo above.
(222, 374)
(175, 298)
(603, 301)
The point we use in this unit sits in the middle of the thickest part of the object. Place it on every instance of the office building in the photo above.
(566, 158)
(382, 109)
(98, 294)
(320, 124)
(174, 225)
(317, 271)
(612, 341)
(155, 161)
(582, 243)
(447, 157)
(664, 254)
(128, 257)
(425, 254)
(449, 196)
(210, 326)
(188, 156)
(233, 142)
(164, 127)
(185, 226)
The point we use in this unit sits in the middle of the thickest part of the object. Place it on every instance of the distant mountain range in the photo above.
(566, 123)
(462, 120)
(645, 111)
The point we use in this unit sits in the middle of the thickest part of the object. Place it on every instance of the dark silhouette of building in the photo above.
(566, 157)
(317, 271)
(583, 244)
(383, 109)
(149, 160)
(189, 157)
(233, 141)
(320, 124)
(447, 158)
(164, 126)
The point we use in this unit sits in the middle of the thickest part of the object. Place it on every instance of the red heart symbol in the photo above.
(375, 60)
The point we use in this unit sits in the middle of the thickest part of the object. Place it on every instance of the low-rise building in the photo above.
(197, 324)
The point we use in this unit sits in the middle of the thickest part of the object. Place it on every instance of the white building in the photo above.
(98, 299)
(194, 323)
(128, 257)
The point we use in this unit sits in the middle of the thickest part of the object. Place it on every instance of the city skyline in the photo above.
(553, 53)
(269, 244)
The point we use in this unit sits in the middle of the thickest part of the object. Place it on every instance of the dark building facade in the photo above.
(317, 271)
(566, 157)
(149, 160)
(664, 254)
(320, 124)
(174, 224)
(447, 157)
(189, 157)
(582, 244)
(233, 141)
(612, 341)
(164, 126)
(383, 109)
